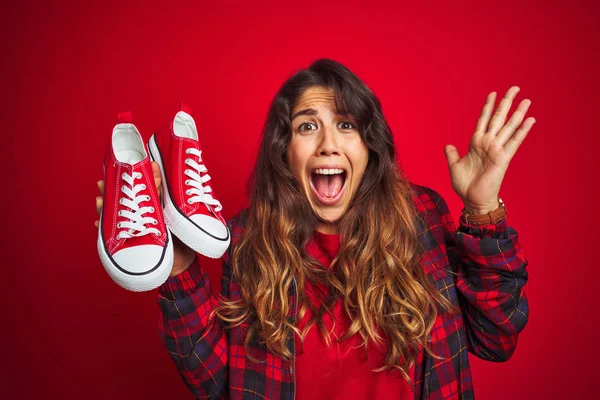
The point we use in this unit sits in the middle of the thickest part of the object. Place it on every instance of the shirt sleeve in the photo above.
(490, 272)
(195, 341)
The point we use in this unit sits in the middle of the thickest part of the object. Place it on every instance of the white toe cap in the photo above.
(211, 225)
(139, 259)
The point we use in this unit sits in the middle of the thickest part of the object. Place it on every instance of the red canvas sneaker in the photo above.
(191, 210)
(134, 244)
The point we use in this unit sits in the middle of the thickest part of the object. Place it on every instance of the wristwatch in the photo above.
(491, 217)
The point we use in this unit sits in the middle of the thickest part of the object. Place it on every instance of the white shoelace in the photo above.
(198, 192)
(137, 221)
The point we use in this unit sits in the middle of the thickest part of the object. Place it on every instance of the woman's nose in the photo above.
(328, 145)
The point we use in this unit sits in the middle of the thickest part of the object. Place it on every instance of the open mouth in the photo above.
(328, 184)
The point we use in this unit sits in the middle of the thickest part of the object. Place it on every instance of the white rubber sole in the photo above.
(137, 283)
(198, 240)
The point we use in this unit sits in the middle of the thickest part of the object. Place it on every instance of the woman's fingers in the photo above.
(157, 177)
(99, 201)
(98, 204)
(499, 117)
(515, 141)
(486, 113)
(514, 122)
(100, 187)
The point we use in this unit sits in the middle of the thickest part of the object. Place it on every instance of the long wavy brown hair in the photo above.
(376, 274)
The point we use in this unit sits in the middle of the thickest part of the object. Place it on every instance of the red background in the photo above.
(69, 332)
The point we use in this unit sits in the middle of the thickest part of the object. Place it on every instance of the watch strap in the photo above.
(492, 217)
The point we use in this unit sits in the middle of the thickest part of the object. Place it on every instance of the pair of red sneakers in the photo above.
(134, 235)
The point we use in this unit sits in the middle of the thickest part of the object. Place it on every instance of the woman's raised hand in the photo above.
(183, 255)
(477, 177)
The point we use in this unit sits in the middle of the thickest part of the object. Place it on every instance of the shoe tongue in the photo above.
(327, 185)
(129, 156)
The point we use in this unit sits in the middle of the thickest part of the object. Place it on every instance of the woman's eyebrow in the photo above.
(311, 111)
(307, 111)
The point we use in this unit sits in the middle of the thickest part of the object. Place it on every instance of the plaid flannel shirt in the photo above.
(481, 268)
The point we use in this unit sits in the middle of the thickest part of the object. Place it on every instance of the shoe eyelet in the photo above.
(151, 209)
(119, 213)
(187, 182)
(155, 222)
(121, 200)
(143, 186)
(123, 188)
(187, 192)
(147, 198)
(123, 175)
(139, 175)
(118, 224)
(189, 201)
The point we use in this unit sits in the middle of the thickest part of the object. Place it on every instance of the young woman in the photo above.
(344, 280)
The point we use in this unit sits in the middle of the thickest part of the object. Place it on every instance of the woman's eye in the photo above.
(302, 127)
(346, 125)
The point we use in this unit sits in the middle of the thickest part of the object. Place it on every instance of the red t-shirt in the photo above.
(340, 371)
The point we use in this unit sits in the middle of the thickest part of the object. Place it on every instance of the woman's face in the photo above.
(326, 155)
